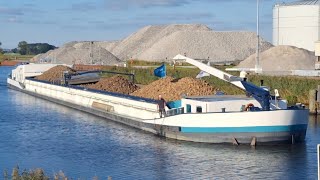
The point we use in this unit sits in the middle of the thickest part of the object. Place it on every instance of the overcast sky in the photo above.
(61, 21)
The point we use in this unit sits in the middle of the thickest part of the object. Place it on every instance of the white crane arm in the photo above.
(235, 80)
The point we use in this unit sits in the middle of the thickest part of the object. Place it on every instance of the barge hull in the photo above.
(174, 132)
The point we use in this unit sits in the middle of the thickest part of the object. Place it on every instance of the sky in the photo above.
(60, 21)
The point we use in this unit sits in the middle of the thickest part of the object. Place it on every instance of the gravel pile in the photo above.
(158, 42)
(145, 38)
(79, 53)
(117, 84)
(55, 74)
(108, 45)
(282, 58)
(171, 89)
(218, 46)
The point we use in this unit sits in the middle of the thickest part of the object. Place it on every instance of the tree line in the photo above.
(1, 51)
(25, 48)
(32, 49)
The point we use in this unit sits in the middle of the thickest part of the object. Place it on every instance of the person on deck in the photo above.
(161, 106)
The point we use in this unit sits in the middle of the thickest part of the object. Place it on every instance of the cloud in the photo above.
(84, 6)
(175, 17)
(77, 27)
(13, 20)
(11, 11)
(20, 11)
(127, 4)
(42, 22)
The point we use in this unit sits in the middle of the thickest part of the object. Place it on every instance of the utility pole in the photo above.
(257, 66)
(91, 52)
(100, 54)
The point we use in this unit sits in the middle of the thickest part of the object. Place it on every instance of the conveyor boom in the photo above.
(260, 94)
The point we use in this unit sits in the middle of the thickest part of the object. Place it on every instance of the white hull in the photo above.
(264, 126)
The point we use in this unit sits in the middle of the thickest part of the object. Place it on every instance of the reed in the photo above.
(36, 174)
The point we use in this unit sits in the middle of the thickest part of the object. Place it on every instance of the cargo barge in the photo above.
(254, 119)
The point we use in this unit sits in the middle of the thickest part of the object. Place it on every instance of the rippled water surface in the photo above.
(37, 133)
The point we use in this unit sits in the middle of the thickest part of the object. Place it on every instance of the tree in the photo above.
(32, 49)
(15, 50)
(23, 47)
(1, 51)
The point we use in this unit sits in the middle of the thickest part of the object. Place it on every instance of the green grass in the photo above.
(15, 57)
(136, 62)
(294, 89)
(290, 87)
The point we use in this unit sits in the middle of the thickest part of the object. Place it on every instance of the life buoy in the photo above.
(248, 106)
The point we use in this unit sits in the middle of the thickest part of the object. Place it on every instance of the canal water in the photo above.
(37, 133)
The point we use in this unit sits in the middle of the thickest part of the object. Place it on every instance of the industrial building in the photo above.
(297, 24)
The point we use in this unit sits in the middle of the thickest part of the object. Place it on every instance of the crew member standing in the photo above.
(161, 106)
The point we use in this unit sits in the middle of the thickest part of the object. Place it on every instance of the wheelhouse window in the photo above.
(199, 109)
(188, 108)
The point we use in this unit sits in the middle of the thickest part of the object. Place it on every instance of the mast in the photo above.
(257, 66)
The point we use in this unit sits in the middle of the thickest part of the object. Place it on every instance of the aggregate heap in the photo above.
(55, 74)
(280, 60)
(117, 84)
(172, 89)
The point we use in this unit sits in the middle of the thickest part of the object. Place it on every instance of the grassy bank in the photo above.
(17, 57)
(294, 89)
(290, 87)
(136, 62)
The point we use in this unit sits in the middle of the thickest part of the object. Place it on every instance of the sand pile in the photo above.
(172, 89)
(108, 45)
(158, 42)
(117, 84)
(79, 53)
(218, 46)
(145, 38)
(281, 59)
(55, 74)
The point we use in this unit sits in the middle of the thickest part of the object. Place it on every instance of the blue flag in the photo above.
(160, 71)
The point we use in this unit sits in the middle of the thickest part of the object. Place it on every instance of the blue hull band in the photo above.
(259, 129)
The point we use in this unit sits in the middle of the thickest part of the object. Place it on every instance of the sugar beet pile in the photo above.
(56, 73)
(171, 89)
(117, 84)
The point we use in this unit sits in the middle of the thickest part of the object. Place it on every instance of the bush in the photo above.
(292, 100)
(36, 174)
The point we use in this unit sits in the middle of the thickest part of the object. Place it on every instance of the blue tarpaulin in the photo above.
(160, 71)
(174, 104)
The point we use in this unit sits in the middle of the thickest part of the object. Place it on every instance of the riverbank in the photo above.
(9, 63)
(13, 59)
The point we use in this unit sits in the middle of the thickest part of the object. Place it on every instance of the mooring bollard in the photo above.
(312, 101)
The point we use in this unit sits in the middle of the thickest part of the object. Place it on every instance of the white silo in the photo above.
(297, 24)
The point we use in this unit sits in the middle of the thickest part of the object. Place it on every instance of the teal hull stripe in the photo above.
(260, 129)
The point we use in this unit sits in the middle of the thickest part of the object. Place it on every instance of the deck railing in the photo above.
(175, 111)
